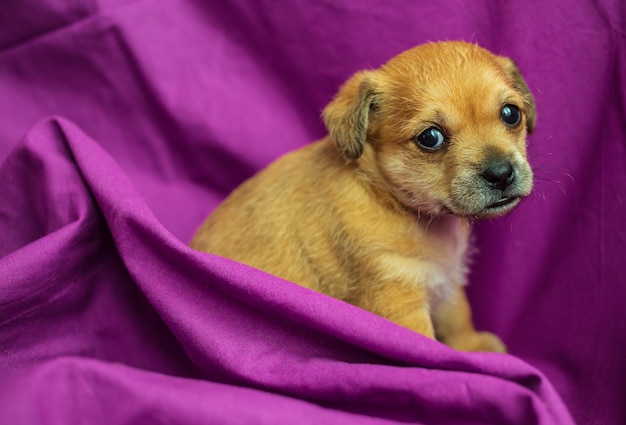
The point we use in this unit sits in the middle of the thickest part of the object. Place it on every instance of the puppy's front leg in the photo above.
(454, 327)
(402, 303)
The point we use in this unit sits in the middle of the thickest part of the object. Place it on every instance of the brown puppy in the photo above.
(426, 143)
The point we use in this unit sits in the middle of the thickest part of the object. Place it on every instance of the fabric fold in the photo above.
(236, 325)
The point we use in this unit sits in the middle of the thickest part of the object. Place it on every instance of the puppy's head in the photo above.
(442, 126)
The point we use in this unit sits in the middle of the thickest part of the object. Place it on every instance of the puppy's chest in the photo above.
(441, 259)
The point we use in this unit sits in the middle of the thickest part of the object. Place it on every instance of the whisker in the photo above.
(539, 194)
(556, 183)
(571, 177)
(432, 217)
(547, 179)
(551, 170)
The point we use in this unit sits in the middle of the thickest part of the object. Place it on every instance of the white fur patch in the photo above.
(439, 277)
(440, 270)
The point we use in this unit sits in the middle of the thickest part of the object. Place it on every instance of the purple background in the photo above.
(107, 317)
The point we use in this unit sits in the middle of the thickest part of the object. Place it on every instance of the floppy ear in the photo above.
(347, 116)
(512, 71)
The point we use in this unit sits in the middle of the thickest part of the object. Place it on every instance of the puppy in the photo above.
(378, 212)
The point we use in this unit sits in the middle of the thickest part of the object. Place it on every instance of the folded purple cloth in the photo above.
(117, 319)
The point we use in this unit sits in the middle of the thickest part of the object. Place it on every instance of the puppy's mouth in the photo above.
(503, 203)
(500, 207)
(496, 209)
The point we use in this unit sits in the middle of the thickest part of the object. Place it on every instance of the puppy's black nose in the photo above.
(499, 174)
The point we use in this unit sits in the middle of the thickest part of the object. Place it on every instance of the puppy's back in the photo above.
(286, 220)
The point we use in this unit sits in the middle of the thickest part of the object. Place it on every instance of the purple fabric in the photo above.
(161, 108)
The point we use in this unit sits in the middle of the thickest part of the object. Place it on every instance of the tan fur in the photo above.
(366, 215)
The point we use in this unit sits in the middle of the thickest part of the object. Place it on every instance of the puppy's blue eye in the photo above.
(431, 139)
(511, 115)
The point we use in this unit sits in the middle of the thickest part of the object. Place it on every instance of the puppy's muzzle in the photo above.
(493, 189)
(504, 183)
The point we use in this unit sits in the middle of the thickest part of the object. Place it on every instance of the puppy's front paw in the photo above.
(486, 341)
(477, 341)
